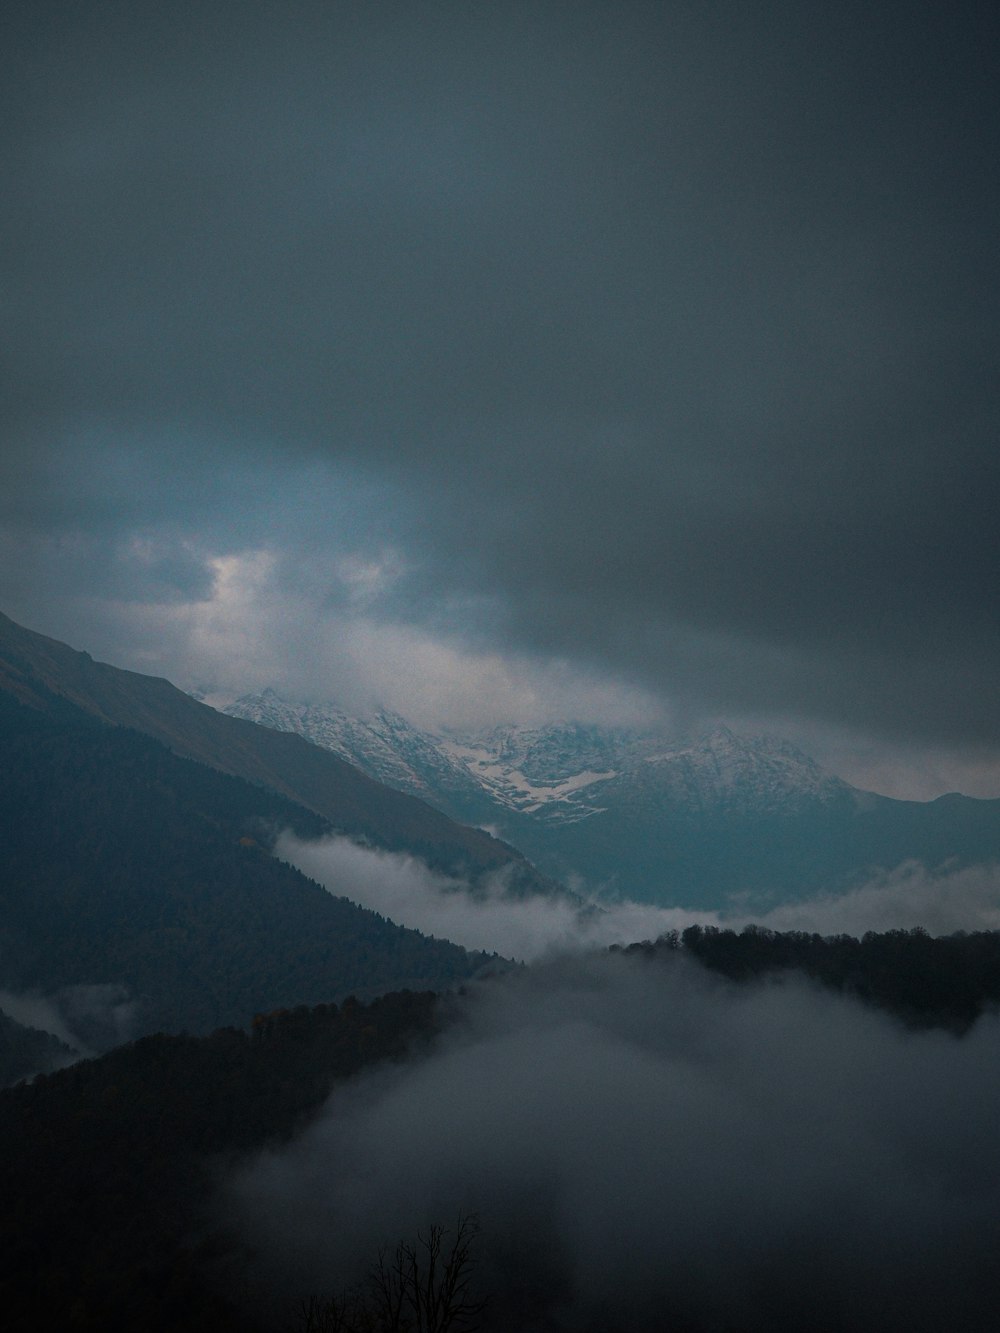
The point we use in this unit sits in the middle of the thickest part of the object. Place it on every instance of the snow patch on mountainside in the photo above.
(383, 745)
(576, 772)
(557, 774)
(511, 787)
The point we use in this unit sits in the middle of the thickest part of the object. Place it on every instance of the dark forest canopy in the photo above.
(115, 1162)
(125, 866)
(926, 981)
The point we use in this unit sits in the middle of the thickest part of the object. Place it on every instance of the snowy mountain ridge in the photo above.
(563, 772)
(699, 824)
(383, 745)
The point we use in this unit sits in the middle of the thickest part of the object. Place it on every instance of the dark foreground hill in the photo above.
(110, 1170)
(25, 1050)
(139, 894)
(46, 675)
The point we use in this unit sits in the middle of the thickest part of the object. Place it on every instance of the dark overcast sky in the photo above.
(578, 356)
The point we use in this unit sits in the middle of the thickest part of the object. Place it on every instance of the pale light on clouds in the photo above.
(610, 364)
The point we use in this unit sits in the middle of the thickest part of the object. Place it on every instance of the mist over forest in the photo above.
(647, 1146)
(499, 727)
(717, 1131)
(714, 1123)
(528, 926)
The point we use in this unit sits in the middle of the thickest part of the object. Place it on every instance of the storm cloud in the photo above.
(648, 1147)
(655, 342)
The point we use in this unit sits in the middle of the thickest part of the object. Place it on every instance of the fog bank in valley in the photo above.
(648, 1147)
(402, 888)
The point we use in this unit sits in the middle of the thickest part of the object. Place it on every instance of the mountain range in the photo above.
(137, 885)
(50, 677)
(726, 818)
(140, 890)
(140, 895)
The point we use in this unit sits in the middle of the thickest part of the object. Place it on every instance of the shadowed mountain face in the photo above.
(749, 819)
(25, 1050)
(693, 825)
(138, 893)
(47, 675)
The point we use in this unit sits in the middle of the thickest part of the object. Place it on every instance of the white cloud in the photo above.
(41, 1012)
(403, 889)
(272, 620)
(87, 1017)
(327, 627)
(941, 901)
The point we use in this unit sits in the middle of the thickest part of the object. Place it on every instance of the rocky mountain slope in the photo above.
(383, 745)
(696, 824)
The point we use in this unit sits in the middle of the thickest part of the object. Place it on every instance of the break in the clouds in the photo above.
(653, 340)
(259, 627)
(647, 1146)
(525, 928)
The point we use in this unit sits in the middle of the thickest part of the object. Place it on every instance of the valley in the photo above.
(727, 821)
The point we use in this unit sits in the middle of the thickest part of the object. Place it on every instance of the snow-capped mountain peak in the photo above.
(688, 823)
(762, 771)
(562, 772)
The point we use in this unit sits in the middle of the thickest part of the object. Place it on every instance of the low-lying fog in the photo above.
(402, 888)
(650, 1147)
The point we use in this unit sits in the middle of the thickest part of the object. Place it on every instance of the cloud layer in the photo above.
(651, 340)
(89, 1017)
(402, 888)
(646, 1145)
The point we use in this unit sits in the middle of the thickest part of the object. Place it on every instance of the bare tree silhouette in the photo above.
(423, 1286)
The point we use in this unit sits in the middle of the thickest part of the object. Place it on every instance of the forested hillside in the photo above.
(925, 981)
(49, 676)
(114, 1164)
(25, 1050)
(119, 1164)
(147, 877)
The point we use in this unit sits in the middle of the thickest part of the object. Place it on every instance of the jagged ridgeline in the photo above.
(638, 816)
